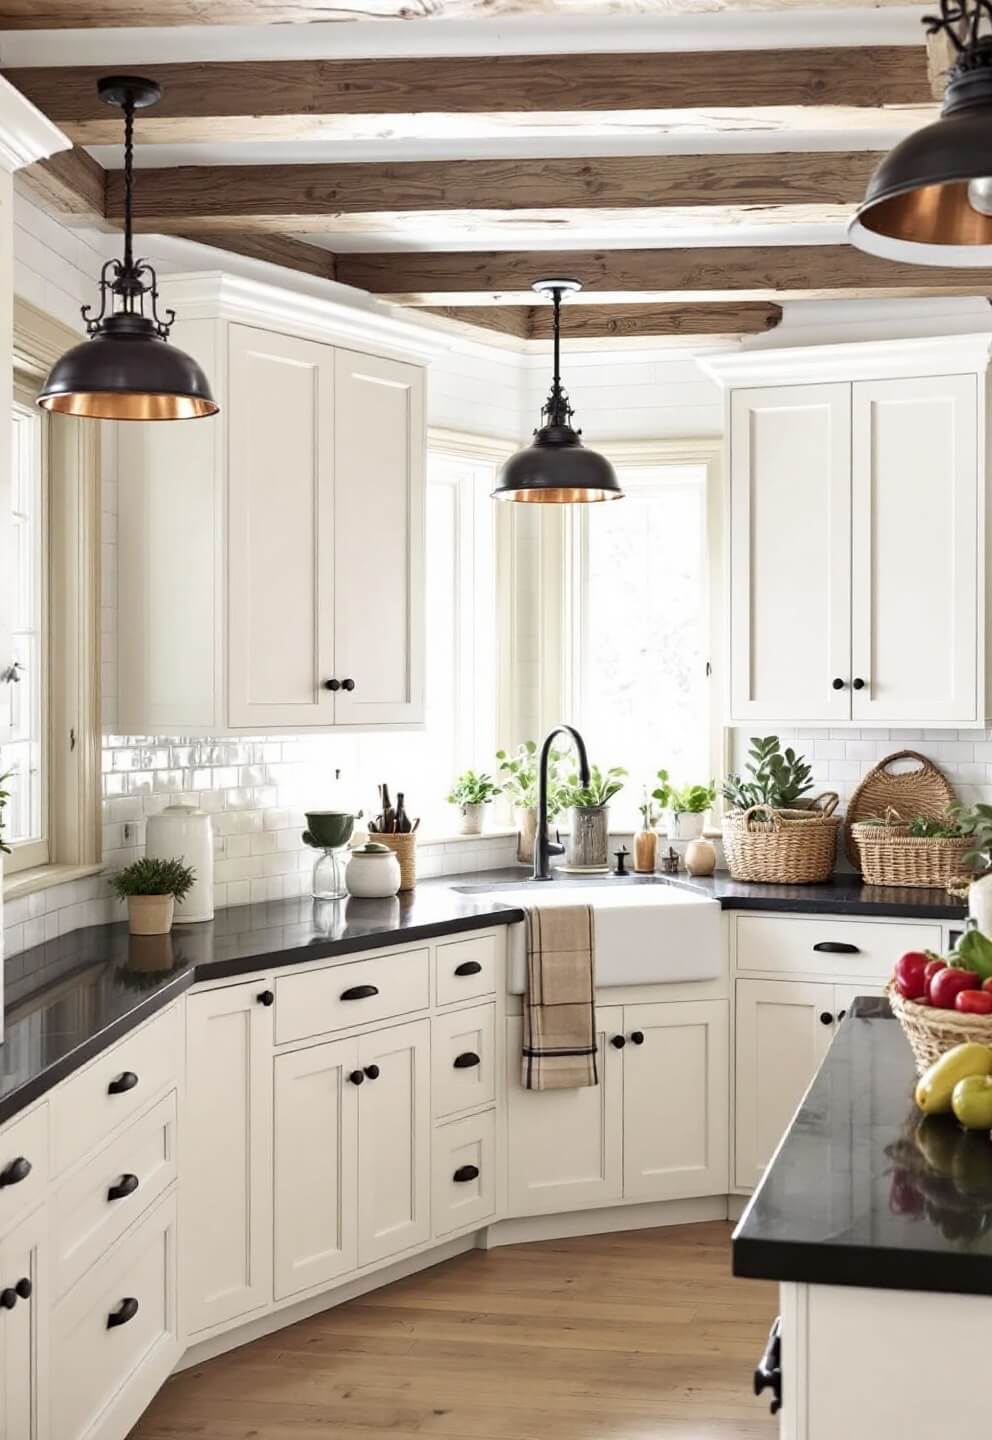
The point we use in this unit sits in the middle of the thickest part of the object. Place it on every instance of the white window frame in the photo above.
(73, 749)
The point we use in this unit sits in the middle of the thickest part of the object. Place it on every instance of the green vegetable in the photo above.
(974, 952)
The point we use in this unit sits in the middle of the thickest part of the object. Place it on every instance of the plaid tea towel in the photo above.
(559, 1047)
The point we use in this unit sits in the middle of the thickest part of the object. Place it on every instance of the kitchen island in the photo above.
(877, 1224)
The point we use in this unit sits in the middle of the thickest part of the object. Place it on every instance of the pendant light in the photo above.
(935, 188)
(126, 370)
(556, 468)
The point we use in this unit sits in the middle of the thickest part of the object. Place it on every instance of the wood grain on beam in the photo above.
(598, 322)
(276, 249)
(69, 183)
(309, 196)
(297, 93)
(714, 273)
(513, 320)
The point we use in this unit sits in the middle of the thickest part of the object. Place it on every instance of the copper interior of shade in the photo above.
(931, 215)
(557, 496)
(124, 405)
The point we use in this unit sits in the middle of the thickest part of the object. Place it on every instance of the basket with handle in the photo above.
(924, 790)
(782, 847)
(890, 855)
(931, 1032)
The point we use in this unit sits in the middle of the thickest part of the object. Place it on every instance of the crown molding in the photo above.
(26, 134)
(863, 360)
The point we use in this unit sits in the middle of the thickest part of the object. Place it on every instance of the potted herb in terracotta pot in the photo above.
(151, 889)
(518, 775)
(590, 818)
(472, 793)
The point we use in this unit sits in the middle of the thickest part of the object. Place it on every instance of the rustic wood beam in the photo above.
(276, 249)
(287, 99)
(299, 197)
(625, 322)
(677, 275)
(69, 183)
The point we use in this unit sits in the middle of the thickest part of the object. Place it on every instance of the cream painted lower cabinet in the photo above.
(25, 1373)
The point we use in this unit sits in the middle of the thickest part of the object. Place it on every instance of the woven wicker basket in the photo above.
(891, 856)
(405, 849)
(923, 791)
(782, 847)
(932, 1032)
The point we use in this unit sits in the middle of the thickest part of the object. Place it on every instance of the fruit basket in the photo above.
(931, 1032)
(782, 847)
(890, 855)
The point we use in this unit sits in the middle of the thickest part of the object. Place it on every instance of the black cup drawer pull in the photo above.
(836, 947)
(464, 1173)
(125, 1311)
(24, 1288)
(468, 967)
(8, 1298)
(15, 1172)
(360, 992)
(124, 1082)
(125, 1186)
(466, 1061)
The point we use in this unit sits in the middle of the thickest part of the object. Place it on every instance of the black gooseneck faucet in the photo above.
(543, 847)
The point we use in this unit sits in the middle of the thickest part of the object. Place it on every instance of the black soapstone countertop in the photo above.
(864, 1190)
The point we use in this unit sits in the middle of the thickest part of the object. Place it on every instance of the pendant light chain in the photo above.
(557, 410)
(128, 108)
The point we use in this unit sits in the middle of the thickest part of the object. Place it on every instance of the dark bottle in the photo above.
(403, 826)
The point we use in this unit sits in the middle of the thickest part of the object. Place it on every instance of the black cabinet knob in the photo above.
(826, 1018)
(125, 1186)
(8, 1298)
(837, 684)
(332, 684)
(372, 1071)
(356, 1077)
(468, 967)
(465, 1173)
(24, 1288)
(15, 1172)
(347, 684)
(466, 1061)
(123, 1083)
(618, 1042)
(857, 683)
(125, 1311)
(360, 992)
(637, 1037)
(266, 998)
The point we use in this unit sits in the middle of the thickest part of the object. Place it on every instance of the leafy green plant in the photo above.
(600, 790)
(980, 823)
(153, 877)
(664, 792)
(473, 789)
(4, 797)
(693, 799)
(778, 778)
(518, 772)
(954, 824)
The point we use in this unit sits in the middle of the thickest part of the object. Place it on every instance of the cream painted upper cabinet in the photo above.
(856, 518)
(271, 559)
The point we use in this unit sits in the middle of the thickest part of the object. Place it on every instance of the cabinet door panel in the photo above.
(394, 1143)
(915, 546)
(779, 1045)
(226, 1141)
(676, 1095)
(790, 602)
(565, 1147)
(378, 564)
(280, 527)
(315, 1195)
(24, 1369)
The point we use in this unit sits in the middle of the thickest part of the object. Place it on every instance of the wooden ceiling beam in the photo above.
(275, 249)
(617, 322)
(672, 275)
(70, 184)
(298, 197)
(287, 99)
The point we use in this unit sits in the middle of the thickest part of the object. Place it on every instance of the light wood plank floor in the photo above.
(612, 1337)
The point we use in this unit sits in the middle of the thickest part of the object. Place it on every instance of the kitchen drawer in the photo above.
(88, 1216)
(93, 1103)
(106, 1372)
(463, 1073)
(463, 1192)
(854, 947)
(23, 1164)
(465, 969)
(314, 1002)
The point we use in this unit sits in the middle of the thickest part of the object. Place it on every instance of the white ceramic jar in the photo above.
(183, 832)
(372, 873)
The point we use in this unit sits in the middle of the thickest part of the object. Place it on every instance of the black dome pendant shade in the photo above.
(126, 370)
(934, 189)
(556, 468)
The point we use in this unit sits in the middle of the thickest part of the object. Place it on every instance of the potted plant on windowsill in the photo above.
(590, 819)
(472, 793)
(151, 889)
(518, 775)
(689, 806)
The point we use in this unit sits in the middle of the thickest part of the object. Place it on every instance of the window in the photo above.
(638, 605)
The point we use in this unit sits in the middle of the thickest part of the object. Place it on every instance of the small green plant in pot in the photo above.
(778, 778)
(519, 776)
(151, 889)
(472, 793)
(689, 806)
(590, 807)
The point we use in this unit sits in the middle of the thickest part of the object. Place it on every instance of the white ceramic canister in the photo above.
(372, 873)
(186, 833)
(980, 903)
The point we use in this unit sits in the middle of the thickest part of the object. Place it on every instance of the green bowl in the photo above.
(329, 829)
